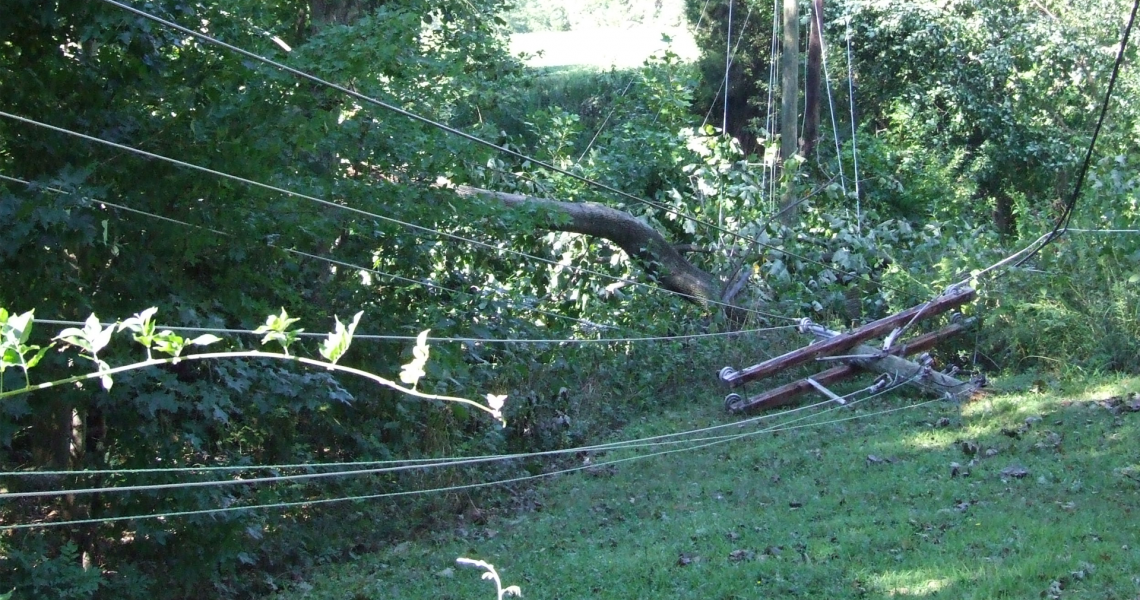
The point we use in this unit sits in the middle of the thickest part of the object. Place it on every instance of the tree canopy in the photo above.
(147, 166)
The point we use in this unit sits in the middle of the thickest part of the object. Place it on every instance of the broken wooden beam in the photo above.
(788, 392)
(952, 298)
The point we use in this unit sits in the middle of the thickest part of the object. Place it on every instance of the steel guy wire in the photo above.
(729, 59)
(605, 121)
(831, 102)
(368, 214)
(851, 101)
(416, 117)
(320, 501)
(478, 140)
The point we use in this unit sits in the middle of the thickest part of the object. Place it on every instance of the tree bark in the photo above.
(812, 82)
(789, 63)
(640, 241)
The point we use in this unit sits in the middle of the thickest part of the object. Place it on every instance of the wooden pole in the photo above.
(789, 104)
(812, 81)
(786, 393)
(846, 341)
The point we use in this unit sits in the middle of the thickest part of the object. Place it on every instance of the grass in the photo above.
(870, 507)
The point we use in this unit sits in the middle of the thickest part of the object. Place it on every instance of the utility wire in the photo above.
(375, 471)
(728, 63)
(584, 322)
(319, 501)
(419, 118)
(1062, 225)
(624, 444)
(464, 340)
(365, 213)
(478, 140)
(831, 103)
(851, 102)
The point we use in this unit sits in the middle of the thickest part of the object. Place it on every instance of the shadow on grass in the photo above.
(1018, 496)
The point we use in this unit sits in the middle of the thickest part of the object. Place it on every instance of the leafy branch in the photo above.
(94, 337)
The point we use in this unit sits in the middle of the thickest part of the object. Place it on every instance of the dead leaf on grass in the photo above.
(1015, 471)
(741, 555)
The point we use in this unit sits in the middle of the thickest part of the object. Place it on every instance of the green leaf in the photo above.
(338, 341)
(140, 322)
(19, 327)
(9, 357)
(35, 360)
(169, 342)
(276, 329)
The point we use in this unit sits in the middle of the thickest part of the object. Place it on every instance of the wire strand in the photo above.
(368, 214)
(478, 140)
(419, 118)
(320, 501)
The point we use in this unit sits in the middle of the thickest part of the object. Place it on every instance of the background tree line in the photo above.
(971, 118)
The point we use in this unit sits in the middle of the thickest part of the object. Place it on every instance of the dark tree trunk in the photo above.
(812, 83)
(789, 115)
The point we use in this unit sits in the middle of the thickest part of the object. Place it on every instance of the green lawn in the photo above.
(870, 507)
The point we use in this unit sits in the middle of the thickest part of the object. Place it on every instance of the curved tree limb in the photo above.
(640, 241)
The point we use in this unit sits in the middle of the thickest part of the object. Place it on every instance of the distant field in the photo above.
(602, 48)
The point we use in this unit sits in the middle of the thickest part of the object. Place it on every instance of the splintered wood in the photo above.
(856, 357)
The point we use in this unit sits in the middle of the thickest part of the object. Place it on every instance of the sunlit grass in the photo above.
(869, 508)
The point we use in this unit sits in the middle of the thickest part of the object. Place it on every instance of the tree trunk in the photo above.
(811, 85)
(789, 63)
(640, 241)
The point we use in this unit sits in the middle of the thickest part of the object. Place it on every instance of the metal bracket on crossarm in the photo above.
(826, 392)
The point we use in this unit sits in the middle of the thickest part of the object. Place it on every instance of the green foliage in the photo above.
(41, 572)
(546, 15)
(954, 123)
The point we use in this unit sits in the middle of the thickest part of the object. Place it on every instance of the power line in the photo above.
(587, 323)
(465, 340)
(478, 140)
(658, 441)
(306, 503)
(1062, 225)
(368, 214)
(431, 462)
(419, 118)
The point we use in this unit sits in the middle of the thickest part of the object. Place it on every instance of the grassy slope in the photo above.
(805, 514)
